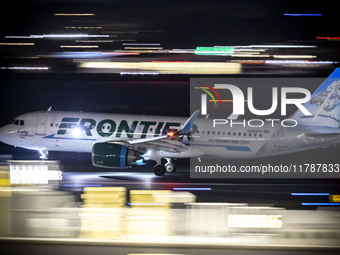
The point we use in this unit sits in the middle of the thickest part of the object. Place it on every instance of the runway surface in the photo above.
(253, 191)
(103, 247)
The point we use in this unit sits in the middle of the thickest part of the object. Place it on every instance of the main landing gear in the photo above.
(168, 167)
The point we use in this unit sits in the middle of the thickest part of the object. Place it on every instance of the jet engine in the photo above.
(114, 155)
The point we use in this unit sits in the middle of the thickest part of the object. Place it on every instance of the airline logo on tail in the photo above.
(324, 104)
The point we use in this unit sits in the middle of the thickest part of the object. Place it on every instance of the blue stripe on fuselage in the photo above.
(68, 138)
(237, 148)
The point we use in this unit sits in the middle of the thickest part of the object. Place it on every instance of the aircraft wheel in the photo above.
(170, 167)
(159, 170)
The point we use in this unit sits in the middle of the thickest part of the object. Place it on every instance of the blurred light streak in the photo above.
(310, 194)
(145, 51)
(74, 14)
(82, 185)
(251, 55)
(255, 221)
(53, 36)
(250, 62)
(23, 36)
(137, 73)
(182, 51)
(283, 46)
(214, 50)
(141, 44)
(145, 203)
(191, 189)
(17, 44)
(26, 68)
(294, 56)
(96, 41)
(240, 48)
(303, 14)
(73, 54)
(333, 204)
(173, 67)
(328, 38)
(91, 59)
(85, 54)
(71, 35)
(143, 48)
(159, 61)
(79, 46)
(334, 198)
(303, 62)
(120, 53)
(83, 27)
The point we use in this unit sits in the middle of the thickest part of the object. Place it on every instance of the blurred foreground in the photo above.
(150, 216)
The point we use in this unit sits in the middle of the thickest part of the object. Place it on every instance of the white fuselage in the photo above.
(78, 131)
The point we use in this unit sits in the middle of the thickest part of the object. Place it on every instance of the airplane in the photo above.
(119, 141)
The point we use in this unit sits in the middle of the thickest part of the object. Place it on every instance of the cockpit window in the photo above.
(18, 122)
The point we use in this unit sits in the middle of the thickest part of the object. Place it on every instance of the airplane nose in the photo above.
(1, 133)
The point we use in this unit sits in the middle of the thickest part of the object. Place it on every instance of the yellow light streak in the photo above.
(17, 44)
(171, 68)
(334, 198)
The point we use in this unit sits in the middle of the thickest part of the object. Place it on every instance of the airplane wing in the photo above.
(123, 154)
(183, 130)
(170, 144)
(323, 135)
(162, 144)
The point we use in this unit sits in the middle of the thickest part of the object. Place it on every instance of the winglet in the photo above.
(186, 127)
(49, 109)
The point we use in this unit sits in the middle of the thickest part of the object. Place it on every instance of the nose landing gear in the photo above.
(43, 154)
